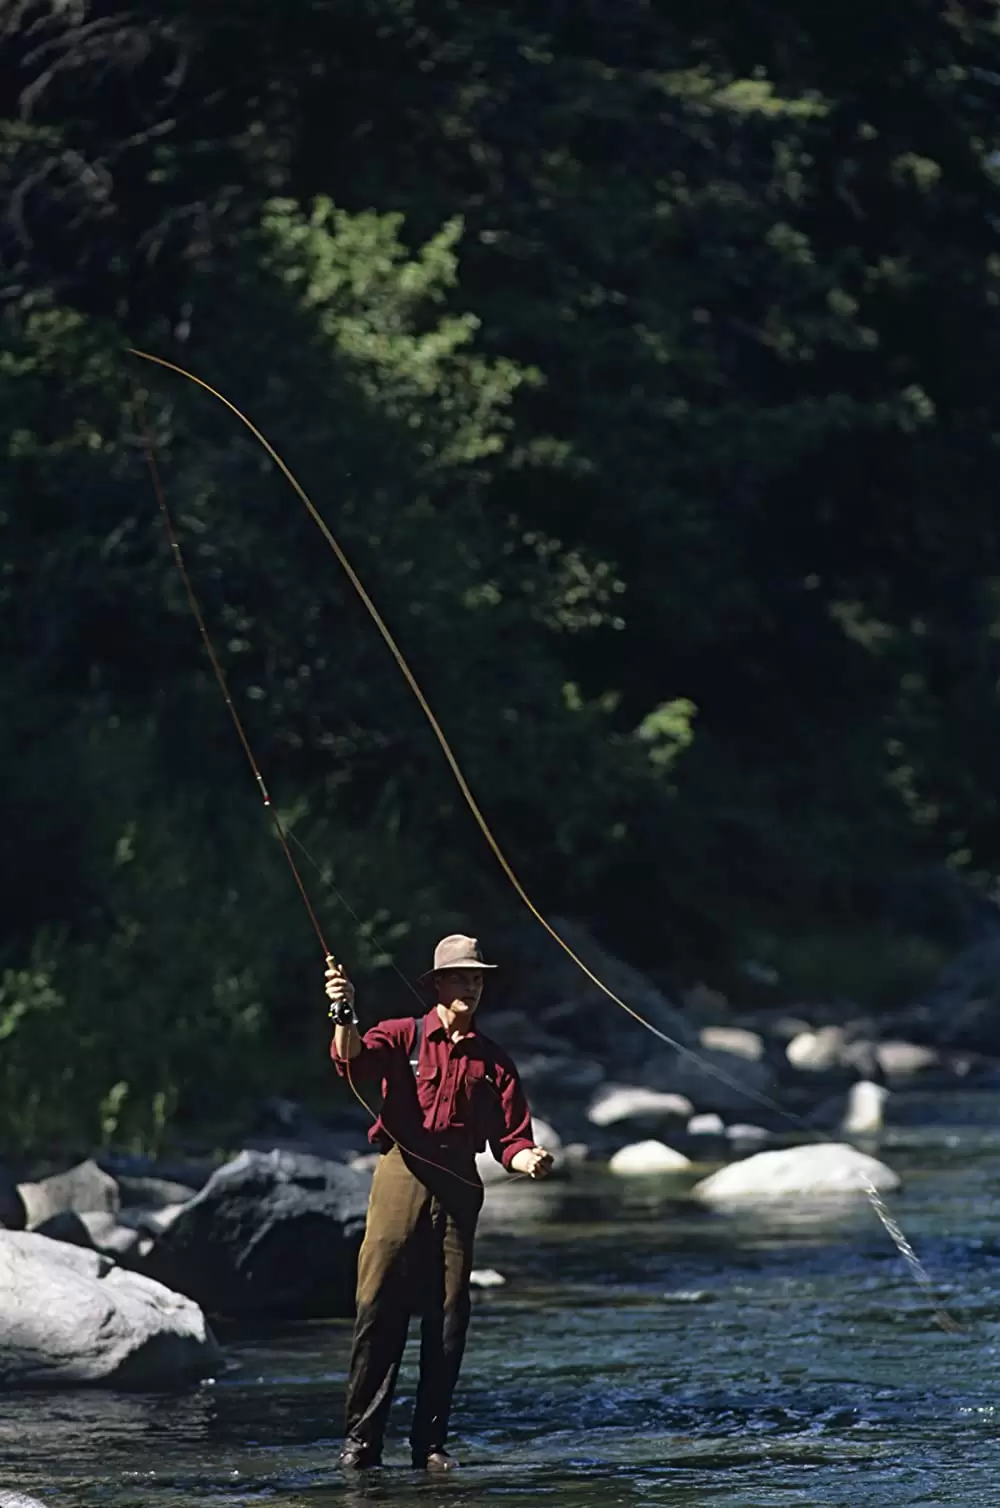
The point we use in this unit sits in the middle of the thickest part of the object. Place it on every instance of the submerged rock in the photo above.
(270, 1233)
(822, 1171)
(70, 1316)
(643, 1157)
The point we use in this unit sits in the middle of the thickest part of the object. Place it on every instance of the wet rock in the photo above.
(69, 1317)
(624, 1102)
(644, 1157)
(830, 1170)
(85, 1189)
(270, 1233)
(486, 1277)
(734, 1039)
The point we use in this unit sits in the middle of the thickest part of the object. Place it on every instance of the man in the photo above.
(447, 1091)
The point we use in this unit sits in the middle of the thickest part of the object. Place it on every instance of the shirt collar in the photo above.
(435, 1029)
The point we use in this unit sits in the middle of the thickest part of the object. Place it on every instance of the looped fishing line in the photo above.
(890, 1225)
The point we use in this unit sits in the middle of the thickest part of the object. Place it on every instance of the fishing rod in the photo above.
(279, 826)
(877, 1203)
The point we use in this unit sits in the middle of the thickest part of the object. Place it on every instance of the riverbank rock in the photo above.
(734, 1039)
(270, 1233)
(69, 1317)
(625, 1102)
(85, 1189)
(805, 1173)
(645, 1157)
(552, 990)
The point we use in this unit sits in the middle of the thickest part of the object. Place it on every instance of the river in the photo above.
(640, 1353)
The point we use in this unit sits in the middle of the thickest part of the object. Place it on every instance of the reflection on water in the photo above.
(642, 1353)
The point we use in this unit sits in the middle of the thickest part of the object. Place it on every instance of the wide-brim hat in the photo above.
(457, 952)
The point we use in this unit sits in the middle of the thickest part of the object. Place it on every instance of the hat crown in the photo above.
(457, 951)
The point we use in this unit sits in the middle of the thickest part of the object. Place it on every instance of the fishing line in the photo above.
(279, 826)
(889, 1224)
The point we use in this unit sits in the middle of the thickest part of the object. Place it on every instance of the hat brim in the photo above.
(447, 968)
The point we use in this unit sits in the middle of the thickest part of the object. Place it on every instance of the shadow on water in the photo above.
(642, 1353)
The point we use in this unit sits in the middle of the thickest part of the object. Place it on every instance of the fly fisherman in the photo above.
(447, 1091)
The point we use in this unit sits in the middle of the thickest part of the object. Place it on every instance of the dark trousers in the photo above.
(416, 1258)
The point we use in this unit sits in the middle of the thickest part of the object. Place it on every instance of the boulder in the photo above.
(19, 1500)
(624, 1102)
(70, 1317)
(66, 1226)
(864, 1111)
(85, 1189)
(734, 1039)
(831, 1169)
(270, 1233)
(644, 1157)
(108, 1235)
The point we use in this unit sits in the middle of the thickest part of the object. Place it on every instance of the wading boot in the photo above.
(357, 1457)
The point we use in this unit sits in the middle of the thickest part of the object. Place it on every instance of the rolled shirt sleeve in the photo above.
(377, 1048)
(516, 1134)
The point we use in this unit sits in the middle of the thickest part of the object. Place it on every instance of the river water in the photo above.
(640, 1353)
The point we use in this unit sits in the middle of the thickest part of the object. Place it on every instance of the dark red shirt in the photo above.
(465, 1094)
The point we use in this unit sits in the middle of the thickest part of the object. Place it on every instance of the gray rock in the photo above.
(85, 1189)
(154, 1193)
(864, 1111)
(706, 1125)
(828, 1170)
(734, 1039)
(107, 1235)
(624, 1102)
(19, 1500)
(562, 1073)
(902, 1060)
(647, 1157)
(270, 1233)
(817, 1051)
(69, 1317)
(151, 1222)
(743, 1134)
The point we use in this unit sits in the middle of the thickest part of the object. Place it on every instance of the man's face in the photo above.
(459, 990)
